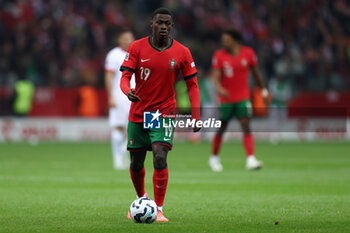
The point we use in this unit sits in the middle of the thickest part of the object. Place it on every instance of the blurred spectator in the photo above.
(88, 105)
(24, 93)
(62, 43)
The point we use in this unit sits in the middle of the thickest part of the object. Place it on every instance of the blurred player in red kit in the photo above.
(230, 72)
(156, 61)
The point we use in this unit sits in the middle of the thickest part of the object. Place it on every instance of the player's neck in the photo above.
(123, 48)
(160, 43)
(234, 50)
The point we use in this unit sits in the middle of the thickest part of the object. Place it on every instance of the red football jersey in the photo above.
(235, 73)
(155, 74)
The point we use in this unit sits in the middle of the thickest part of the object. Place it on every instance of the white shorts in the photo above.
(118, 117)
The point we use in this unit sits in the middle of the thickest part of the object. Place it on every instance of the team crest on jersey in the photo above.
(131, 142)
(244, 62)
(126, 57)
(172, 63)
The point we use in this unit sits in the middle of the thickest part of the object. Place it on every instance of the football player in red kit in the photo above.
(230, 71)
(156, 61)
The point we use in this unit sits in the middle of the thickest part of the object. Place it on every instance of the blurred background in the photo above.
(52, 58)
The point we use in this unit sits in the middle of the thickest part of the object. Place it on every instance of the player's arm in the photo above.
(128, 68)
(189, 72)
(125, 86)
(109, 75)
(216, 76)
(259, 82)
(257, 76)
(195, 99)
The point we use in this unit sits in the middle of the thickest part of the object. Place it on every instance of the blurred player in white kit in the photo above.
(119, 104)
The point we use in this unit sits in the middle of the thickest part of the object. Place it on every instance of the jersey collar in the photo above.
(159, 50)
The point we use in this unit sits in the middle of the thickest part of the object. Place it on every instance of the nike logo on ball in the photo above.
(144, 60)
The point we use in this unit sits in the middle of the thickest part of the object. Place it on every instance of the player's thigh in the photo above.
(138, 137)
(243, 109)
(164, 135)
(226, 111)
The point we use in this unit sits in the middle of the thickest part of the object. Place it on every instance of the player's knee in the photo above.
(119, 128)
(222, 129)
(221, 132)
(159, 162)
(135, 164)
(245, 126)
(160, 157)
(246, 130)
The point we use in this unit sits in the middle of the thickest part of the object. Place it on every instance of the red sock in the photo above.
(138, 179)
(160, 183)
(248, 143)
(216, 144)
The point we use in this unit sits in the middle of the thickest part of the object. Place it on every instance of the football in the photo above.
(143, 210)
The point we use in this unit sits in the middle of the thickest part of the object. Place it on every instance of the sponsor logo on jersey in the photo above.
(192, 64)
(131, 141)
(144, 60)
(127, 56)
(151, 120)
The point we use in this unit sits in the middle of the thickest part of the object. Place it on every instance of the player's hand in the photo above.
(111, 103)
(223, 92)
(132, 97)
(267, 96)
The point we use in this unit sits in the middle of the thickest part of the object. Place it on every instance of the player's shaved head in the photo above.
(163, 11)
(161, 24)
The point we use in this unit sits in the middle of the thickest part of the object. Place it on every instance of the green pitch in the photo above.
(304, 187)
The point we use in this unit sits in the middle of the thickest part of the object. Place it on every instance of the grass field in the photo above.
(304, 187)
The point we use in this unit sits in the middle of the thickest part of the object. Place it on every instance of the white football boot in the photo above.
(253, 164)
(215, 164)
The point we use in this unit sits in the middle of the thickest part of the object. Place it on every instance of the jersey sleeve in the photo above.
(188, 67)
(130, 60)
(111, 62)
(216, 62)
(253, 58)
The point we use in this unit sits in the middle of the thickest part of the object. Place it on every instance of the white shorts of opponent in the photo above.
(118, 116)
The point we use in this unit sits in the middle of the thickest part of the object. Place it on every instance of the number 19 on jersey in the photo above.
(145, 73)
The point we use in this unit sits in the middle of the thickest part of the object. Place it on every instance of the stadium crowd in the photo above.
(64, 43)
